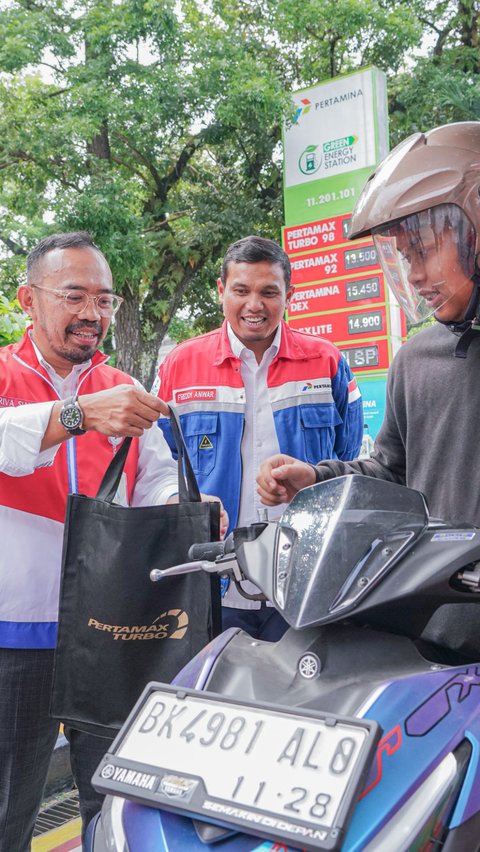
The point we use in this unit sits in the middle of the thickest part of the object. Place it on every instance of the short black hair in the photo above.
(255, 250)
(72, 239)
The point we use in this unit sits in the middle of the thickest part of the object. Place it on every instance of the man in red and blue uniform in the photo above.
(63, 413)
(253, 385)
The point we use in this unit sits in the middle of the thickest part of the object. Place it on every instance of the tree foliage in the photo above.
(156, 124)
(12, 321)
(444, 84)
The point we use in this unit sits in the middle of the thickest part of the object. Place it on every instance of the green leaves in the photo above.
(12, 320)
(155, 125)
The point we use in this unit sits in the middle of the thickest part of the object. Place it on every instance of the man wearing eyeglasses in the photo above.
(54, 386)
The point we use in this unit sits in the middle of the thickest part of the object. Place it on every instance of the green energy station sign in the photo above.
(336, 137)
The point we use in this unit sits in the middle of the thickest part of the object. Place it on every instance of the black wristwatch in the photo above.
(71, 416)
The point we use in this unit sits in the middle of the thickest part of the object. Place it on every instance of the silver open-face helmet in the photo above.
(422, 207)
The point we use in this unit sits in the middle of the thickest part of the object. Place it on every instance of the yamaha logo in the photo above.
(132, 777)
(107, 771)
(309, 666)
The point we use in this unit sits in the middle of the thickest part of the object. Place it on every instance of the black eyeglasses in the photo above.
(107, 304)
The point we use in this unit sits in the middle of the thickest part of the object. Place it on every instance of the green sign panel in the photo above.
(331, 196)
(337, 136)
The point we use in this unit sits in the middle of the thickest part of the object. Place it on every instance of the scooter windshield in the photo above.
(335, 542)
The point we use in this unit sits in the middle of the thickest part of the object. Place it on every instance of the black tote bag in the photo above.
(118, 630)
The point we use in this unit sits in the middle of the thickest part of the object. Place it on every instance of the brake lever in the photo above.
(156, 574)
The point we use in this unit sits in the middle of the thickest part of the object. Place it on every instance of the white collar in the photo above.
(239, 348)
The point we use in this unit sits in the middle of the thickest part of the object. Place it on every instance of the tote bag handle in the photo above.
(188, 490)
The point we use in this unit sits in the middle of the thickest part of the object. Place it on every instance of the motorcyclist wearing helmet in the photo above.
(422, 207)
(429, 261)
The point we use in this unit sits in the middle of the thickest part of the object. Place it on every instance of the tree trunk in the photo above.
(135, 355)
(99, 145)
(469, 28)
(469, 15)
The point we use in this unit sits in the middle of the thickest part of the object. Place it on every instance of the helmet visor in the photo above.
(429, 259)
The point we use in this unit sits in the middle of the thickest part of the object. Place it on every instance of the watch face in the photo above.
(71, 416)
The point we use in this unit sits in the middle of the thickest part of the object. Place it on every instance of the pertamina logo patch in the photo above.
(172, 624)
(192, 394)
(316, 385)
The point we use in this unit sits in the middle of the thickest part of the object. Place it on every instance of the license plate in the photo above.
(271, 771)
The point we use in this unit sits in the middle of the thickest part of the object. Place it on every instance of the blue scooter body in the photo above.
(422, 790)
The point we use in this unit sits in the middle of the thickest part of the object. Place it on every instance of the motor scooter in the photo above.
(350, 732)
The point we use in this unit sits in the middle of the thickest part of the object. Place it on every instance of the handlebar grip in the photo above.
(208, 550)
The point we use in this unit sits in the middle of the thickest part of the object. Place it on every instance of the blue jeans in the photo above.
(27, 740)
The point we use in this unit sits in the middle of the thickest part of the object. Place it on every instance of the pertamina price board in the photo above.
(340, 291)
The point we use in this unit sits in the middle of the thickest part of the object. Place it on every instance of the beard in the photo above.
(75, 351)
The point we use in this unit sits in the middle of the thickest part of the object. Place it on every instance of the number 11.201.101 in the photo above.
(334, 195)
